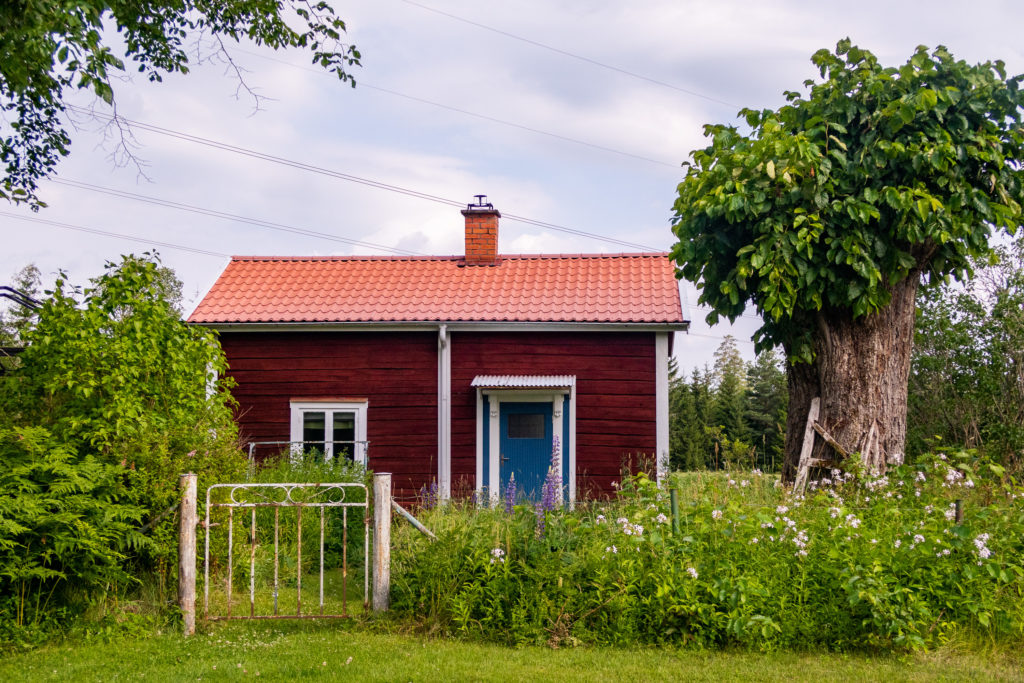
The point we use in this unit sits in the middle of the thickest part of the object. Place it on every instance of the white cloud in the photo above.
(743, 53)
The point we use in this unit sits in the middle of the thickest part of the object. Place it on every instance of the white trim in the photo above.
(479, 441)
(298, 408)
(557, 416)
(444, 412)
(494, 447)
(571, 446)
(661, 404)
(556, 397)
(453, 326)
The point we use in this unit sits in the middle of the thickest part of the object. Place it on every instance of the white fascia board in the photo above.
(431, 326)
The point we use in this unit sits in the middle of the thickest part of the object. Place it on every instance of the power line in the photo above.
(157, 201)
(573, 55)
(291, 163)
(364, 84)
(107, 233)
(195, 250)
(716, 336)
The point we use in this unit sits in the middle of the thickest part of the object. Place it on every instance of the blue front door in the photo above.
(525, 446)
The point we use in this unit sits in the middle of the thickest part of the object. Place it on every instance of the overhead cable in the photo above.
(107, 233)
(270, 225)
(485, 117)
(291, 163)
(573, 55)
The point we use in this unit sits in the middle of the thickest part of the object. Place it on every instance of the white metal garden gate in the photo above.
(278, 496)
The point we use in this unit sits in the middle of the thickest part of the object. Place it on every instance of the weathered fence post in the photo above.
(188, 520)
(381, 541)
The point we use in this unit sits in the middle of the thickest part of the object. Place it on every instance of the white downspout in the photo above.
(444, 413)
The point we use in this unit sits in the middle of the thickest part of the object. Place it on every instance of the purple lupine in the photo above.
(510, 495)
(429, 495)
(551, 491)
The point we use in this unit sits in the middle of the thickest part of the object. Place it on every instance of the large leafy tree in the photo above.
(49, 48)
(832, 210)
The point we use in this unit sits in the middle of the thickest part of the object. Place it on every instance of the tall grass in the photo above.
(859, 562)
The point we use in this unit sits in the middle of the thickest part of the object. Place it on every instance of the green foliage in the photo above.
(967, 373)
(730, 376)
(16, 320)
(766, 408)
(64, 533)
(858, 563)
(878, 175)
(735, 413)
(52, 48)
(129, 397)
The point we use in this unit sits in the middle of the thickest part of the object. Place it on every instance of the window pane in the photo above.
(526, 426)
(313, 432)
(344, 435)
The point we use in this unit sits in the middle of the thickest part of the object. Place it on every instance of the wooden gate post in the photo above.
(188, 520)
(381, 541)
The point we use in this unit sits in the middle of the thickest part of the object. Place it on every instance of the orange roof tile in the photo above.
(596, 288)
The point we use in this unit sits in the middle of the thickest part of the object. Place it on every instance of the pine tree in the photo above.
(767, 399)
(730, 380)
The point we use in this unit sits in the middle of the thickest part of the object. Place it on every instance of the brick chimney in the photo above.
(481, 233)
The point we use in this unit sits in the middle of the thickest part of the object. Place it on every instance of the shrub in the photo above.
(859, 562)
(63, 533)
(113, 397)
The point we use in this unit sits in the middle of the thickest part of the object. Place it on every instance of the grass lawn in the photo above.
(346, 651)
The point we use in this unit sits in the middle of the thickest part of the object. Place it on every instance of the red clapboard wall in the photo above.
(615, 394)
(395, 371)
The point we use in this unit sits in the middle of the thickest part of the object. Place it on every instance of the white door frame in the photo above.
(559, 398)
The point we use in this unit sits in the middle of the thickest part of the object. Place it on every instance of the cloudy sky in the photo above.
(571, 113)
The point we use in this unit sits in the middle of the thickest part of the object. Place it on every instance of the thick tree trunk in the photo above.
(860, 371)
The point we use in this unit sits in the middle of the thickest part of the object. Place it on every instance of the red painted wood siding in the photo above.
(615, 394)
(395, 371)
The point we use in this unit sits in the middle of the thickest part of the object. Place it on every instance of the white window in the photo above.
(331, 429)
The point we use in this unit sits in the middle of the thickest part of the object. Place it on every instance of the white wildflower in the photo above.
(716, 514)
(692, 572)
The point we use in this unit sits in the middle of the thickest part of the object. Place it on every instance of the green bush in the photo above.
(860, 562)
(63, 534)
(117, 396)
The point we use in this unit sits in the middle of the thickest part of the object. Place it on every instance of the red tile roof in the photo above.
(595, 288)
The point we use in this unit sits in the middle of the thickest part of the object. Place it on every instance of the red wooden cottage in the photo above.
(464, 370)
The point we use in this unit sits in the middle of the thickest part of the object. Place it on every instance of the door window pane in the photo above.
(344, 435)
(313, 432)
(526, 426)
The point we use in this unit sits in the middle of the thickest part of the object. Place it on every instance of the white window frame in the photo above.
(359, 408)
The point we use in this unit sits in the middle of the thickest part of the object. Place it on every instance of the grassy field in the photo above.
(347, 651)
